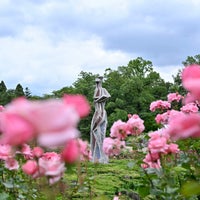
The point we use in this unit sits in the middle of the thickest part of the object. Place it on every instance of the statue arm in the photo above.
(103, 97)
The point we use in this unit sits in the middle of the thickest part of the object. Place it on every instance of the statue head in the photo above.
(99, 79)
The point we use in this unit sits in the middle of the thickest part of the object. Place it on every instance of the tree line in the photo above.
(132, 88)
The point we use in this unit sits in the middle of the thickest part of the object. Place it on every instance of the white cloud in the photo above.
(166, 72)
(46, 44)
(34, 59)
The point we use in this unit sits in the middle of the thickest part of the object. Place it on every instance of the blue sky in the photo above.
(45, 44)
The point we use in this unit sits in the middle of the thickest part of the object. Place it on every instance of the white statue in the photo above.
(99, 123)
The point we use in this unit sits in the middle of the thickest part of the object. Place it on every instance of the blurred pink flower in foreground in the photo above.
(15, 129)
(76, 150)
(52, 121)
(185, 126)
(5, 151)
(191, 81)
(79, 102)
(71, 152)
(1, 108)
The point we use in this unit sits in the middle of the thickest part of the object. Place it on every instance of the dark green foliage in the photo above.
(132, 88)
(192, 60)
(3, 87)
(19, 91)
(27, 93)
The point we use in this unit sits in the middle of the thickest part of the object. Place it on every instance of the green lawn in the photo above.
(96, 181)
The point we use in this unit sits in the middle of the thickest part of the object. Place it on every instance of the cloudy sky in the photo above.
(45, 44)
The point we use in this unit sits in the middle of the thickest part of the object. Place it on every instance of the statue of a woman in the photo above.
(99, 123)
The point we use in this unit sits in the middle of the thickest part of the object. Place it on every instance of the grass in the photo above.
(98, 181)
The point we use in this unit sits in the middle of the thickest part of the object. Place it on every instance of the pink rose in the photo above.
(135, 125)
(159, 104)
(11, 164)
(50, 164)
(174, 97)
(53, 140)
(5, 151)
(173, 148)
(85, 153)
(185, 126)
(1, 108)
(71, 151)
(38, 152)
(191, 80)
(119, 130)
(112, 147)
(15, 129)
(79, 102)
(30, 167)
(190, 108)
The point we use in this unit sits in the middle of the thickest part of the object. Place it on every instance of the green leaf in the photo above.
(4, 196)
(8, 184)
(191, 188)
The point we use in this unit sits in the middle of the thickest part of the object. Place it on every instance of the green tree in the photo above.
(10, 95)
(133, 88)
(3, 87)
(192, 60)
(19, 91)
(3, 95)
(139, 68)
(64, 90)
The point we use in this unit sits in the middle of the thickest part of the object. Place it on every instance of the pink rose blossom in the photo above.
(162, 118)
(52, 116)
(191, 80)
(173, 114)
(54, 140)
(16, 130)
(151, 161)
(174, 97)
(79, 102)
(11, 164)
(135, 125)
(37, 152)
(1, 108)
(30, 167)
(190, 108)
(71, 151)
(158, 145)
(112, 147)
(159, 104)
(26, 151)
(185, 126)
(173, 148)
(85, 153)
(5, 151)
(52, 166)
(119, 130)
